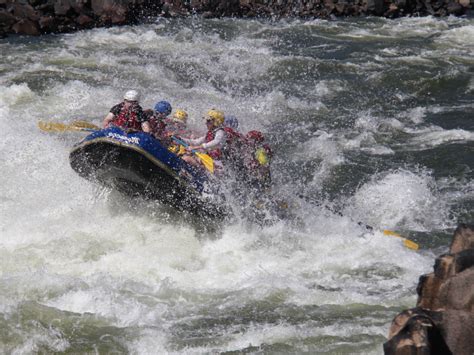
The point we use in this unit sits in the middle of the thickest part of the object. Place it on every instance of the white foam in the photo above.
(77, 247)
(400, 199)
(462, 36)
(430, 139)
(416, 115)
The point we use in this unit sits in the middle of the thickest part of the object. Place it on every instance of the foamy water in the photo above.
(363, 133)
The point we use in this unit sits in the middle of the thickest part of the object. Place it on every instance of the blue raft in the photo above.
(137, 164)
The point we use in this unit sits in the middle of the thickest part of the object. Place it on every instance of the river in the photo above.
(370, 120)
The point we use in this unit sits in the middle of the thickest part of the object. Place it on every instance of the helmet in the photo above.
(216, 116)
(131, 95)
(180, 115)
(231, 121)
(256, 136)
(163, 107)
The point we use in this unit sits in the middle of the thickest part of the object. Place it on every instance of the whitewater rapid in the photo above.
(358, 123)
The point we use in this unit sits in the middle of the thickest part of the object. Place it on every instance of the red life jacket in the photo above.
(234, 143)
(233, 137)
(157, 127)
(210, 135)
(128, 119)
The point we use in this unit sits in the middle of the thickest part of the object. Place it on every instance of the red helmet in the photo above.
(256, 136)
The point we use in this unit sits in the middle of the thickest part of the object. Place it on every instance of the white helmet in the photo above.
(131, 95)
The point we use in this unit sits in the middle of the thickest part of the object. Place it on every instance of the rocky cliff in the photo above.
(443, 320)
(36, 17)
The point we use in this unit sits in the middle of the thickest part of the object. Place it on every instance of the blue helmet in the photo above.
(231, 121)
(163, 107)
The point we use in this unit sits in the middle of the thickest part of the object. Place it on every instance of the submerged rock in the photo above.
(443, 320)
(35, 17)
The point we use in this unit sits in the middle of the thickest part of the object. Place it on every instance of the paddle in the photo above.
(205, 158)
(406, 242)
(62, 127)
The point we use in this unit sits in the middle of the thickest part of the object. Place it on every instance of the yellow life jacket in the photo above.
(261, 156)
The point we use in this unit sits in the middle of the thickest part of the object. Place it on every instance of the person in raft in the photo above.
(156, 118)
(211, 143)
(128, 114)
(235, 142)
(176, 129)
(177, 124)
(257, 160)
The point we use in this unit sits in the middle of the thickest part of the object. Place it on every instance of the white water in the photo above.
(140, 277)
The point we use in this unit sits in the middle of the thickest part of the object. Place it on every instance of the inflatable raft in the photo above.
(137, 164)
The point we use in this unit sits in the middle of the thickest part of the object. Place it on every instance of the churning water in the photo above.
(371, 118)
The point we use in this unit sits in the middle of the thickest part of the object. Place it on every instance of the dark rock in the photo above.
(455, 8)
(62, 7)
(375, 7)
(24, 11)
(84, 20)
(208, 14)
(463, 239)
(70, 15)
(444, 317)
(457, 328)
(26, 27)
(47, 24)
(7, 19)
(415, 332)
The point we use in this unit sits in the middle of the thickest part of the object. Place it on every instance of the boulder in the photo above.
(6, 18)
(26, 27)
(31, 16)
(443, 320)
(24, 11)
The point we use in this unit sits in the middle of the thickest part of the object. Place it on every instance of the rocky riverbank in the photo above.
(443, 320)
(36, 17)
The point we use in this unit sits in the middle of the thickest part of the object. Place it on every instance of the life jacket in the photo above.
(233, 137)
(258, 166)
(128, 119)
(157, 127)
(263, 154)
(234, 144)
(216, 153)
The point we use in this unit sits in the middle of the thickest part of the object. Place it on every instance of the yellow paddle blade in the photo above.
(174, 148)
(205, 158)
(410, 245)
(53, 127)
(177, 149)
(406, 242)
(84, 124)
(62, 127)
(207, 161)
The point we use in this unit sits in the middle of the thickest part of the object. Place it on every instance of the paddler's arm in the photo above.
(146, 127)
(194, 142)
(215, 143)
(108, 119)
(143, 118)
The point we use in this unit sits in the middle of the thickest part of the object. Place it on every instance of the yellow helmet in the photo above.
(180, 115)
(216, 116)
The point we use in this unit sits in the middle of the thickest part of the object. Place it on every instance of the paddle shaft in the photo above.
(406, 242)
(205, 158)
